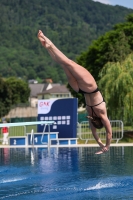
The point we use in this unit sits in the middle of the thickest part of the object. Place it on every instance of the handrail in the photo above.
(43, 135)
(31, 137)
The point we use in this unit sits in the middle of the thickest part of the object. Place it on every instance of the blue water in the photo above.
(66, 174)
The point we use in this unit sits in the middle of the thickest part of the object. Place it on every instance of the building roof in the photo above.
(35, 89)
(43, 89)
(56, 89)
(22, 112)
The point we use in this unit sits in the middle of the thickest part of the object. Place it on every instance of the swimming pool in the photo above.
(66, 173)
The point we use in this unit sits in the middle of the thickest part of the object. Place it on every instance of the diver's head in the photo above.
(96, 121)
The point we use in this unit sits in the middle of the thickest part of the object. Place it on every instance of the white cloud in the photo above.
(103, 1)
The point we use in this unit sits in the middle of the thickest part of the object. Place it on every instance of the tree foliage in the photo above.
(71, 25)
(117, 81)
(113, 46)
(5, 97)
(12, 91)
(20, 90)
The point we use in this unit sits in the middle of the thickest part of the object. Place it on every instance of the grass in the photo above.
(125, 139)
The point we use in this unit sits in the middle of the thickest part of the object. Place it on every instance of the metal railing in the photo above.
(22, 128)
(84, 131)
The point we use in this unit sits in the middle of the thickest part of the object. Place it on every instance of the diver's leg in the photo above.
(79, 73)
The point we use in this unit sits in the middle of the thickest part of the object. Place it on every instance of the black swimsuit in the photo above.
(96, 90)
(83, 92)
(96, 121)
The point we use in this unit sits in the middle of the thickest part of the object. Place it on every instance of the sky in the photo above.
(125, 3)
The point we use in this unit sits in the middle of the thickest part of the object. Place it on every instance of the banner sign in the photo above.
(63, 112)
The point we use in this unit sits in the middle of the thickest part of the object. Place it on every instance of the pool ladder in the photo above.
(32, 136)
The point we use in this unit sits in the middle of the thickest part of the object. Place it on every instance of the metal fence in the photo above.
(84, 131)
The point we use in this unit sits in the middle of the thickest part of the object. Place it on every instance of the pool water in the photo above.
(66, 174)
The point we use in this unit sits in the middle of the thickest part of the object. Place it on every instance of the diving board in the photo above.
(27, 123)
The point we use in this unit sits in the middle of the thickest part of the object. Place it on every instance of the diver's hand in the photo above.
(103, 150)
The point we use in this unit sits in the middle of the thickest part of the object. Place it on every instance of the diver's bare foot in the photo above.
(44, 40)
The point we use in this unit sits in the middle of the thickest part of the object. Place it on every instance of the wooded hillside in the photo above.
(71, 25)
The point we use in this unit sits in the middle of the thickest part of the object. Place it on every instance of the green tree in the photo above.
(5, 97)
(113, 46)
(67, 23)
(109, 50)
(117, 88)
(20, 90)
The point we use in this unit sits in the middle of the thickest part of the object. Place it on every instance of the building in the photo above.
(47, 91)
